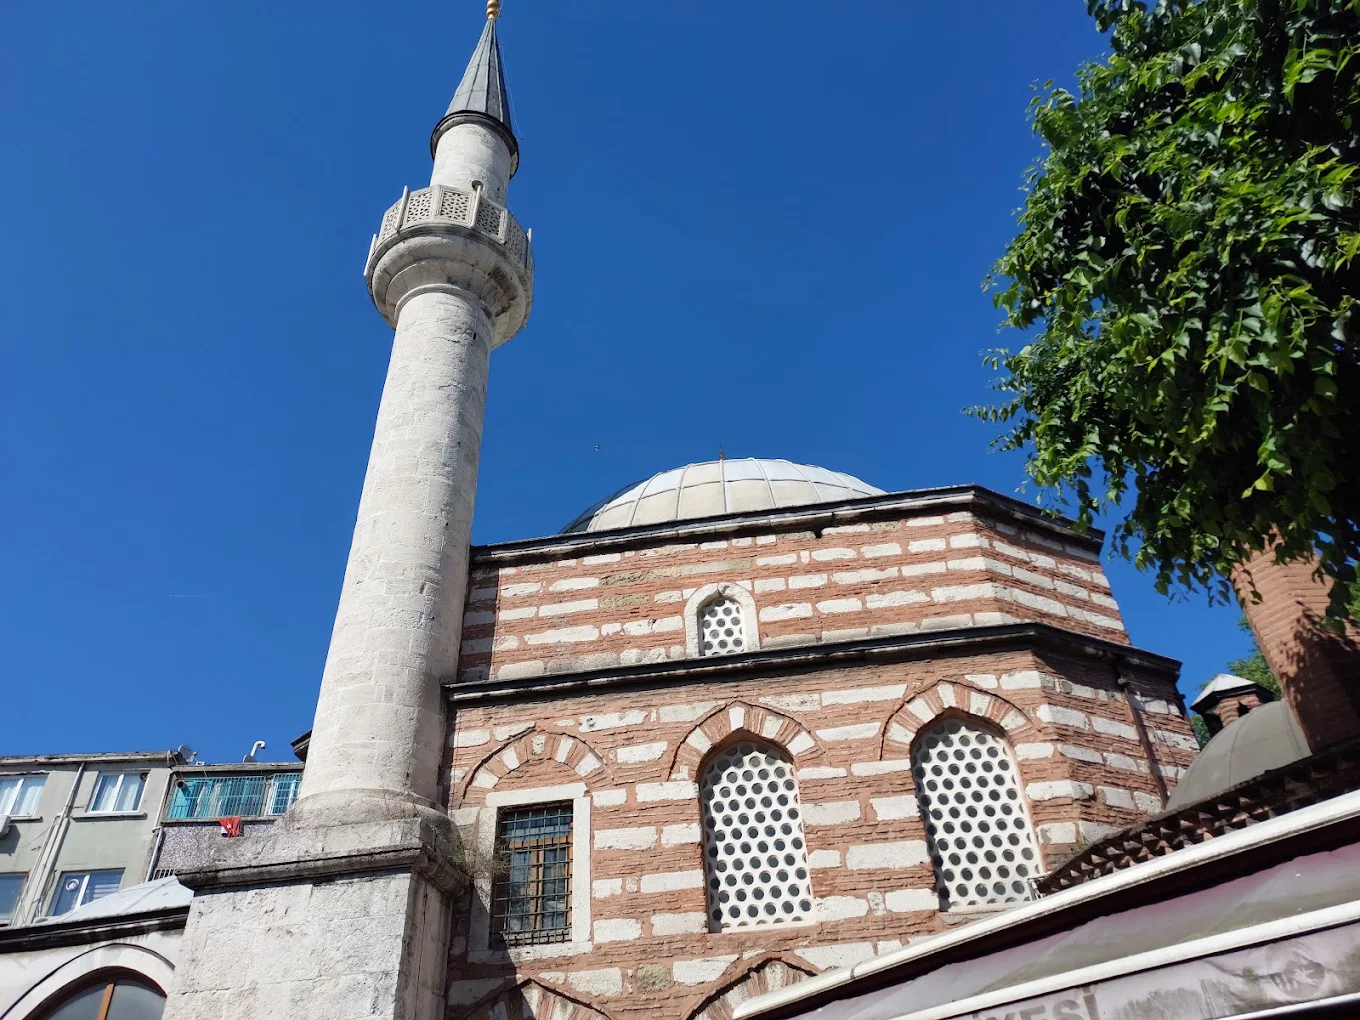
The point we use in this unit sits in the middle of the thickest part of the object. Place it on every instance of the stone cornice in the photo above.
(814, 517)
(904, 648)
(413, 855)
(54, 934)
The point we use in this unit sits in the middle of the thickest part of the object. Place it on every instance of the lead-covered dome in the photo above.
(719, 487)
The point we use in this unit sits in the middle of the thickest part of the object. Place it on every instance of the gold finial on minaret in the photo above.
(493, 9)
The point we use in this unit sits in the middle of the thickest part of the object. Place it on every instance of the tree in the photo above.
(1187, 262)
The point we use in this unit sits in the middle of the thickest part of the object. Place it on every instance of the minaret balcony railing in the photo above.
(429, 209)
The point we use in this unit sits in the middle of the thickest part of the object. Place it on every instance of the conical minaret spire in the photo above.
(482, 95)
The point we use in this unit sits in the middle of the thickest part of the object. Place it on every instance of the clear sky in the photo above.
(764, 225)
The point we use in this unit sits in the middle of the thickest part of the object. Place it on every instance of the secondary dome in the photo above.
(1268, 738)
(719, 487)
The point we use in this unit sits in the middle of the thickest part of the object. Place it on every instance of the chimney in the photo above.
(1318, 670)
(1227, 698)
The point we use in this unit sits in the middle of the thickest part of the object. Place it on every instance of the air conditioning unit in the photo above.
(4, 824)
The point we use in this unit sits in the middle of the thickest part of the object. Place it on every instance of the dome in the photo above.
(719, 487)
(1267, 738)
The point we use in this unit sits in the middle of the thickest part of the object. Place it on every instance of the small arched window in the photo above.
(115, 997)
(722, 627)
(981, 839)
(754, 850)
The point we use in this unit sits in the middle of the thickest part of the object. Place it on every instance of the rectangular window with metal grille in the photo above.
(531, 894)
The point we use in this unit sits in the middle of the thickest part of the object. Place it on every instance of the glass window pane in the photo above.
(68, 893)
(135, 1002)
(105, 789)
(10, 885)
(30, 792)
(9, 786)
(101, 884)
(130, 793)
(81, 1006)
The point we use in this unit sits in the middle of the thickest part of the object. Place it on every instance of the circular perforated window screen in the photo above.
(753, 840)
(980, 836)
(720, 628)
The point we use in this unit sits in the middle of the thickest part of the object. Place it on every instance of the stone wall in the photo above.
(630, 758)
(621, 601)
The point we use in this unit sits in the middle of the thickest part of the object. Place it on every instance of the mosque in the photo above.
(742, 725)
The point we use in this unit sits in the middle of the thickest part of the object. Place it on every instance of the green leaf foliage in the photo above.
(1187, 269)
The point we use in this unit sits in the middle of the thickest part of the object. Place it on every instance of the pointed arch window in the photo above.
(755, 855)
(720, 619)
(981, 839)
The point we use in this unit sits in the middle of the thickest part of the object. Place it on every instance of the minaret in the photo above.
(343, 908)
(451, 270)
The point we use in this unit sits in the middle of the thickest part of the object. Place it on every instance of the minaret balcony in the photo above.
(476, 241)
(432, 209)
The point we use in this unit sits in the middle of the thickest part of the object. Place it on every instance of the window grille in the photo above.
(531, 894)
(721, 628)
(981, 840)
(753, 840)
(233, 796)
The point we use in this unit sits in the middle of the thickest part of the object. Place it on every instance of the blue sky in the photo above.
(763, 225)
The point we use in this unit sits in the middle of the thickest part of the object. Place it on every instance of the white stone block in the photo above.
(612, 720)
(987, 680)
(1113, 727)
(865, 576)
(847, 954)
(840, 606)
(900, 854)
(883, 549)
(1079, 753)
(587, 765)
(921, 545)
(666, 791)
(786, 611)
(1027, 752)
(521, 589)
(855, 731)
(633, 753)
(669, 881)
(698, 740)
(471, 738)
(520, 670)
(894, 808)
(824, 859)
(618, 929)
(820, 772)
(824, 555)
(609, 798)
(700, 972)
(1094, 832)
(605, 982)
(902, 901)
(831, 812)
(964, 592)
(793, 702)
(979, 703)
(1059, 716)
(770, 584)
(880, 768)
(838, 908)
(1021, 680)
(678, 835)
(858, 695)
(1058, 832)
(601, 558)
(679, 924)
(1117, 797)
(603, 888)
(640, 838)
(686, 713)
(575, 584)
(807, 581)
(918, 569)
(1056, 788)
(522, 613)
(894, 599)
(564, 635)
(1148, 803)
(1124, 763)
(782, 560)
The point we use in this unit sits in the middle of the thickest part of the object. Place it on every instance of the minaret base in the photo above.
(331, 923)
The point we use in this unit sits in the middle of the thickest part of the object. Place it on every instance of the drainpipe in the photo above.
(1131, 698)
(36, 886)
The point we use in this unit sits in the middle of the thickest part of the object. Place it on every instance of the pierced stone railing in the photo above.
(437, 205)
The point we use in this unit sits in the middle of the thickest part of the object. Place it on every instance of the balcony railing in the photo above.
(436, 205)
(212, 797)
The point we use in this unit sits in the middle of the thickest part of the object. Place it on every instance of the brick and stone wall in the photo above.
(631, 756)
(620, 600)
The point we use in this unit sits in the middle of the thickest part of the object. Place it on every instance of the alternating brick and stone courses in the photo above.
(1093, 725)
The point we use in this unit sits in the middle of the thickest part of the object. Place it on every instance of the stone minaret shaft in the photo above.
(452, 271)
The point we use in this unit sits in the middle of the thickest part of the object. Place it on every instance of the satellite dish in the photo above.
(187, 753)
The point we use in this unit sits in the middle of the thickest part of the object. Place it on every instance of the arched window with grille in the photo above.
(754, 853)
(720, 619)
(981, 838)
